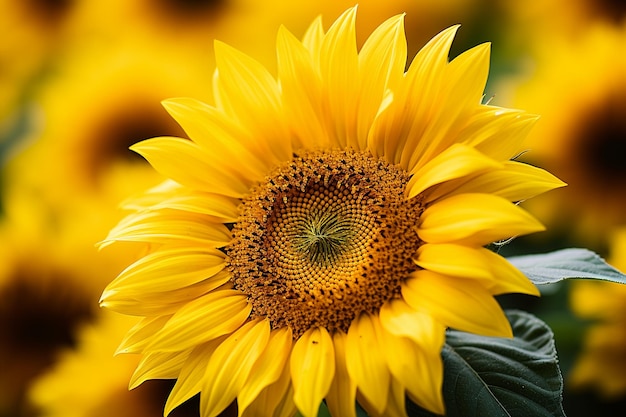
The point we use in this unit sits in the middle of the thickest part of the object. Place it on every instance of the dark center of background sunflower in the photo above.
(601, 142)
(191, 10)
(48, 12)
(115, 131)
(321, 242)
(40, 310)
(611, 10)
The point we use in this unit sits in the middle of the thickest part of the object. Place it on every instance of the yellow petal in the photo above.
(523, 182)
(221, 208)
(134, 307)
(461, 304)
(313, 37)
(166, 189)
(397, 132)
(158, 366)
(249, 93)
(215, 314)
(167, 270)
(301, 91)
(455, 162)
(474, 219)
(190, 379)
(226, 139)
(401, 320)
(342, 394)
(267, 369)
(467, 76)
(426, 391)
(189, 164)
(275, 400)
(339, 70)
(396, 405)
(497, 132)
(463, 83)
(366, 362)
(312, 369)
(419, 370)
(230, 365)
(286, 406)
(496, 273)
(136, 339)
(169, 226)
(162, 303)
(419, 342)
(433, 57)
(382, 61)
(515, 181)
(424, 81)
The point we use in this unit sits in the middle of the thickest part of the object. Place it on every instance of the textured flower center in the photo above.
(323, 236)
(326, 237)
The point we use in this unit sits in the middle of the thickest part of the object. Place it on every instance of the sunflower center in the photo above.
(602, 141)
(323, 237)
(326, 237)
(613, 10)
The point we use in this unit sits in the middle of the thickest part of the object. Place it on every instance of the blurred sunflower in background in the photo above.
(601, 366)
(575, 80)
(90, 381)
(342, 172)
(95, 105)
(539, 19)
(41, 304)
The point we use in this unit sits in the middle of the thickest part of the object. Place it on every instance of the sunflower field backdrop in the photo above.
(327, 209)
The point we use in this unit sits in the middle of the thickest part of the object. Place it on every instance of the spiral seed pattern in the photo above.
(326, 237)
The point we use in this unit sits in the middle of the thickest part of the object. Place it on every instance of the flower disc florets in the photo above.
(326, 237)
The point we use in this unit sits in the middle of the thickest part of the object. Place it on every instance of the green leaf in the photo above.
(563, 264)
(323, 412)
(489, 376)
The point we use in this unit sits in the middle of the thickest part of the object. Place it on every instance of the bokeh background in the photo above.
(81, 80)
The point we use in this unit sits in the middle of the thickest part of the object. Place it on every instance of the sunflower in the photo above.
(40, 304)
(89, 381)
(583, 133)
(116, 90)
(602, 362)
(320, 230)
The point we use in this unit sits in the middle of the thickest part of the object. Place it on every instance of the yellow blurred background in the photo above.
(81, 80)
